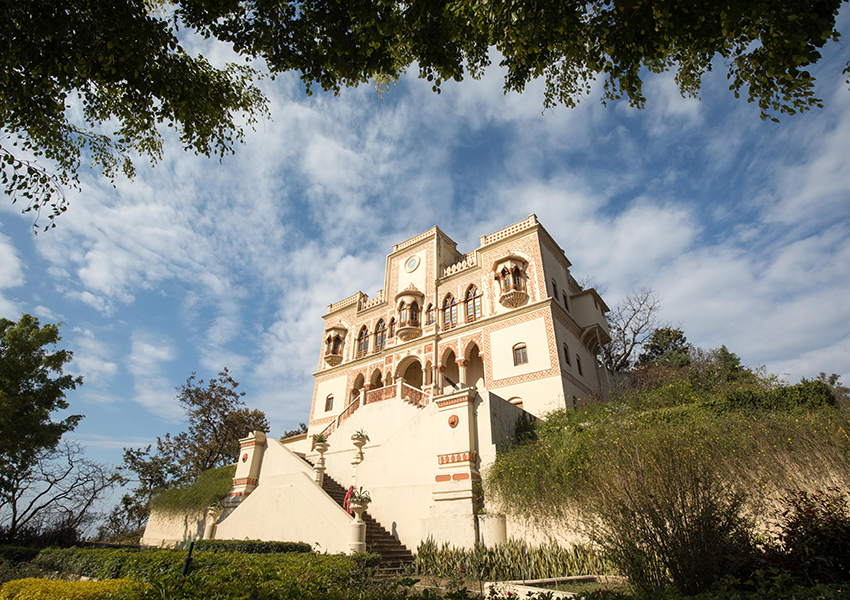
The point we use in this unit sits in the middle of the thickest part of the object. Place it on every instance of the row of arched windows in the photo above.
(409, 316)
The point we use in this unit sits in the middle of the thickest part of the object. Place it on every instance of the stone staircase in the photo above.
(394, 555)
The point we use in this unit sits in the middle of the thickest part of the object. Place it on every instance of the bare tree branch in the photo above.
(631, 322)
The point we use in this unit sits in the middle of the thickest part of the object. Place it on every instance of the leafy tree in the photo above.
(124, 61)
(45, 484)
(216, 418)
(841, 392)
(666, 345)
(631, 323)
(302, 429)
(32, 386)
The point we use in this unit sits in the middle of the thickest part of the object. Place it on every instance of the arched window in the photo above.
(473, 304)
(392, 328)
(414, 315)
(329, 344)
(403, 313)
(567, 354)
(520, 354)
(566, 302)
(578, 365)
(380, 336)
(337, 345)
(429, 315)
(329, 403)
(363, 342)
(449, 312)
(554, 290)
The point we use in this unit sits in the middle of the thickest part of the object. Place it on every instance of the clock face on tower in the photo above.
(411, 264)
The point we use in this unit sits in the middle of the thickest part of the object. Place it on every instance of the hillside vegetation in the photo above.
(693, 475)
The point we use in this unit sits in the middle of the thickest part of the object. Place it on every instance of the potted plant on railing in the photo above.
(320, 442)
(359, 439)
(359, 500)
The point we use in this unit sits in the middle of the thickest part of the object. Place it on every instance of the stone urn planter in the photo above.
(321, 446)
(358, 503)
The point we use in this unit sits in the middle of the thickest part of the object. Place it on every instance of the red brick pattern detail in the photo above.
(453, 401)
(384, 393)
(429, 348)
(457, 457)
(322, 421)
(388, 360)
(445, 350)
(460, 476)
(442, 478)
(245, 481)
(553, 350)
(467, 343)
(251, 444)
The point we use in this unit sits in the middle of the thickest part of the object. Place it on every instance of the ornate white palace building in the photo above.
(436, 369)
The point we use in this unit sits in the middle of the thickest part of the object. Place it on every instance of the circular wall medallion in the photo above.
(453, 421)
(411, 264)
(244, 457)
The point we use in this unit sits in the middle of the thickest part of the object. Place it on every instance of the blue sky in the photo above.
(741, 226)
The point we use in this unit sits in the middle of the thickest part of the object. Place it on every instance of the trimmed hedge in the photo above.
(55, 589)
(251, 546)
(153, 564)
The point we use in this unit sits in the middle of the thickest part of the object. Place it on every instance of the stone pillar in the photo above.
(462, 363)
(247, 475)
(319, 467)
(357, 541)
(213, 513)
(452, 515)
(358, 456)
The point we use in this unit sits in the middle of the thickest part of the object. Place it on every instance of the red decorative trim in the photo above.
(251, 444)
(245, 481)
(442, 478)
(453, 421)
(457, 457)
(453, 401)
(460, 476)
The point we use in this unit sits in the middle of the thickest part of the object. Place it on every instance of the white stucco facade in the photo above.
(436, 368)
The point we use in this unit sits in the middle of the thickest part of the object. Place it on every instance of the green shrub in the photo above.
(515, 559)
(250, 546)
(663, 514)
(208, 489)
(815, 535)
(217, 567)
(55, 589)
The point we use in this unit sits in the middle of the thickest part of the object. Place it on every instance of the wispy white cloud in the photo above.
(91, 357)
(149, 354)
(11, 276)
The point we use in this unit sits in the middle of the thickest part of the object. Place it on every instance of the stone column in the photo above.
(319, 467)
(213, 513)
(357, 541)
(462, 363)
(247, 475)
(452, 515)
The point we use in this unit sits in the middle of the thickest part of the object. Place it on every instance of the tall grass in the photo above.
(513, 560)
(210, 487)
(672, 479)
